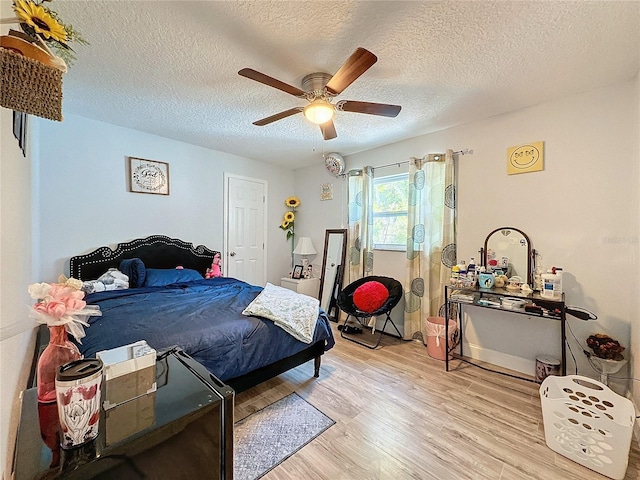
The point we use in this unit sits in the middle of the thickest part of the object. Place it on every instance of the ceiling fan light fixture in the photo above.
(319, 111)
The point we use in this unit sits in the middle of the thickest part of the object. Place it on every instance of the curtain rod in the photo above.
(466, 151)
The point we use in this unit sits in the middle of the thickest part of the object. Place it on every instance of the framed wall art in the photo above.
(326, 191)
(525, 158)
(148, 176)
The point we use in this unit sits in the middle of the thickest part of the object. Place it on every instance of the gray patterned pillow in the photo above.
(295, 313)
(112, 279)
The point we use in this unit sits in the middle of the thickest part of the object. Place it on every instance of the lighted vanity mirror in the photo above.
(335, 252)
(510, 249)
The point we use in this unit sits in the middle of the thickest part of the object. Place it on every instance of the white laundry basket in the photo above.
(588, 423)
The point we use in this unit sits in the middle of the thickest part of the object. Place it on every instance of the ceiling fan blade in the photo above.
(277, 116)
(272, 82)
(328, 130)
(359, 62)
(382, 109)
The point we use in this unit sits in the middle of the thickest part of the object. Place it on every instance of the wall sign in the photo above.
(326, 191)
(525, 158)
(148, 176)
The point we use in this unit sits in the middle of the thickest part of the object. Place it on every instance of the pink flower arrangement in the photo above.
(62, 304)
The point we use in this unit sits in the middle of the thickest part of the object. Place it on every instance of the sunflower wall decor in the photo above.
(288, 222)
(47, 30)
(32, 61)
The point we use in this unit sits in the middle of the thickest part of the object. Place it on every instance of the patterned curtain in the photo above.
(431, 242)
(360, 198)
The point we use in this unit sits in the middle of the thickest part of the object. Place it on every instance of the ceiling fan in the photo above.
(319, 89)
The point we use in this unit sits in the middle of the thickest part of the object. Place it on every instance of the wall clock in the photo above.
(148, 176)
(334, 163)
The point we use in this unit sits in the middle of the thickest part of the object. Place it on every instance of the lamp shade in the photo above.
(305, 247)
(318, 112)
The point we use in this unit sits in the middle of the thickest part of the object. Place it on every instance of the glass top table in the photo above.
(182, 430)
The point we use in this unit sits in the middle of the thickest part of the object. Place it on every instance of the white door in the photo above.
(245, 236)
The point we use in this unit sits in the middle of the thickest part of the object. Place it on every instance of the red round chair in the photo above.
(345, 303)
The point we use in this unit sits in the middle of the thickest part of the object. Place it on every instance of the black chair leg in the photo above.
(380, 332)
(394, 326)
(364, 344)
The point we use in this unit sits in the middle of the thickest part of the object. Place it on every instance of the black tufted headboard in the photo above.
(156, 251)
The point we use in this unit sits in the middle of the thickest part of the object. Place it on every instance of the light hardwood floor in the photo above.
(399, 415)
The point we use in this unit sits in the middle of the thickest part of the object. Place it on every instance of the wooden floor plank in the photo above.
(399, 416)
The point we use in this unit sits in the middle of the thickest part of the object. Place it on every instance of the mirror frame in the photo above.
(529, 250)
(328, 233)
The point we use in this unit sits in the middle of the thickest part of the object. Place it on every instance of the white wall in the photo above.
(581, 212)
(16, 266)
(635, 322)
(86, 203)
(314, 216)
(16, 337)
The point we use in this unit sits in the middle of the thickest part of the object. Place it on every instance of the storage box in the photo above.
(128, 418)
(129, 371)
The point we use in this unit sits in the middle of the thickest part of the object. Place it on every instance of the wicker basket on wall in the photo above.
(30, 86)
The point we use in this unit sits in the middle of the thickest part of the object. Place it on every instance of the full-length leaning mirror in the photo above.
(335, 251)
(511, 249)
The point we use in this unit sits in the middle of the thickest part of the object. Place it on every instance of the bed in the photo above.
(201, 316)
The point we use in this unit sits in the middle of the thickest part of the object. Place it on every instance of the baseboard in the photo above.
(518, 364)
(16, 328)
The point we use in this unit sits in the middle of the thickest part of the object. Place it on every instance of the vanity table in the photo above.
(456, 299)
(506, 249)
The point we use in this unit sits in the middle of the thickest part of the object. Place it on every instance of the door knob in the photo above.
(333, 264)
(232, 254)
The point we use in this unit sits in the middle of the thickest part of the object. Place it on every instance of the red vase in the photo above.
(59, 351)
(50, 430)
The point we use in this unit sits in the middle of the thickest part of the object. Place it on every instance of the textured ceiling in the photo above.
(170, 67)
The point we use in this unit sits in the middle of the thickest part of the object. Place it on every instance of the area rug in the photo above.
(269, 436)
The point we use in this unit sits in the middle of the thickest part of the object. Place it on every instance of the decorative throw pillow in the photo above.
(135, 270)
(160, 277)
(295, 313)
(112, 279)
(370, 296)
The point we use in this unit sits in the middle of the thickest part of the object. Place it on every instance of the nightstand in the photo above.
(306, 286)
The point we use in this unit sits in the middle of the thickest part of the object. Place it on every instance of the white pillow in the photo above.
(295, 313)
(112, 279)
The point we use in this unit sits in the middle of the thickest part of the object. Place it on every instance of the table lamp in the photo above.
(304, 248)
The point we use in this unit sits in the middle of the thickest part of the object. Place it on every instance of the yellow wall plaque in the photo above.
(525, 158)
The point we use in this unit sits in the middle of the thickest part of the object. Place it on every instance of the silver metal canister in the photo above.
(545, 366)
(78, 386)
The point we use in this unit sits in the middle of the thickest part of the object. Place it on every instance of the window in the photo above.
(390, 205)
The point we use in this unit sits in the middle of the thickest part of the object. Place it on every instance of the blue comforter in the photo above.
(203, 317)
